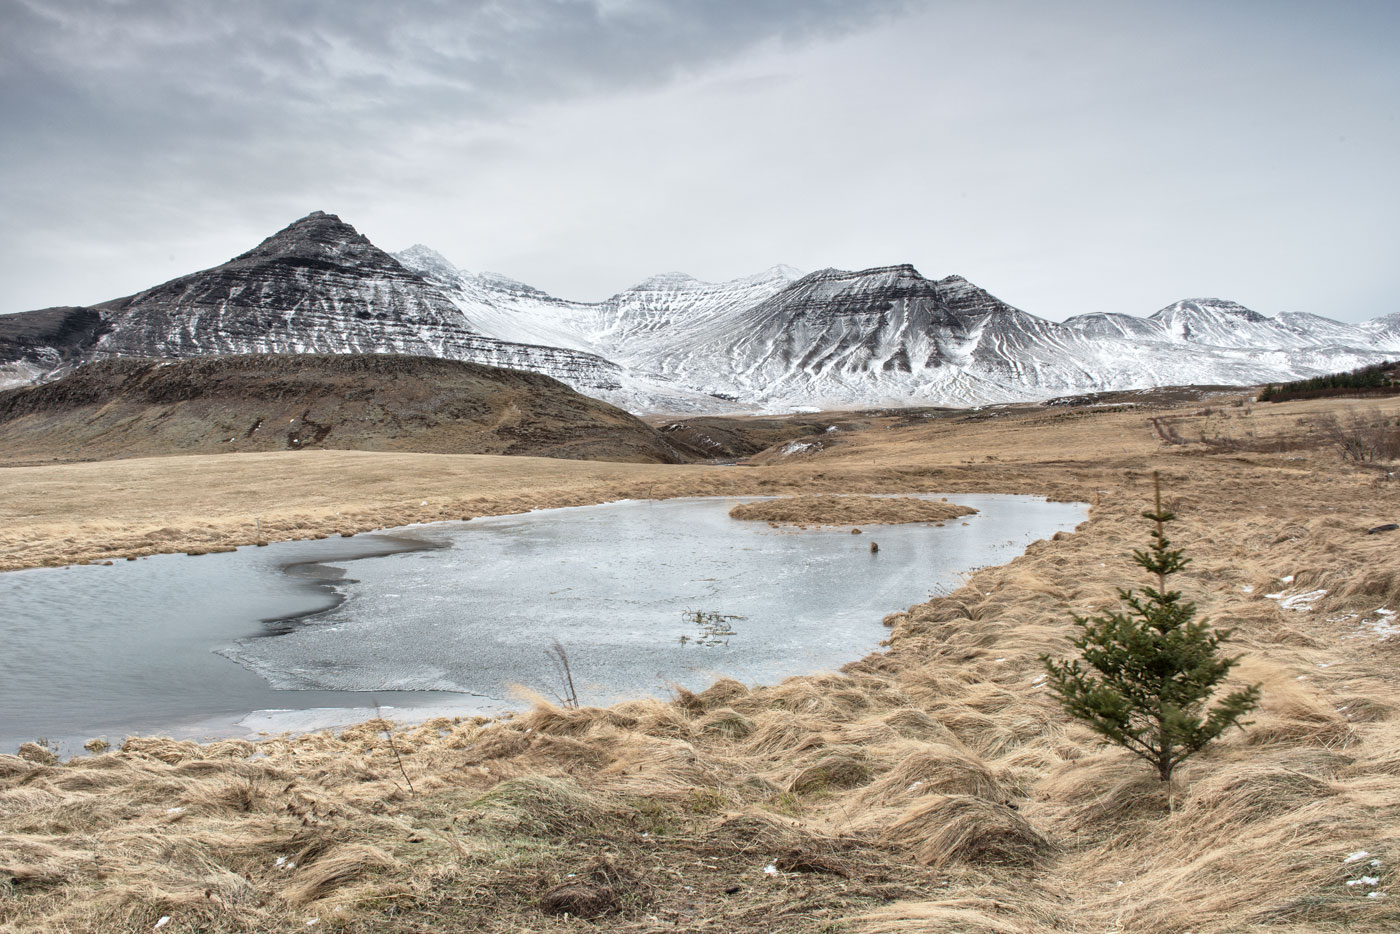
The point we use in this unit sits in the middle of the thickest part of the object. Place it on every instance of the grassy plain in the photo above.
(934, 786)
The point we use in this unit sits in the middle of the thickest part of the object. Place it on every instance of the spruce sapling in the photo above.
(1152, 670)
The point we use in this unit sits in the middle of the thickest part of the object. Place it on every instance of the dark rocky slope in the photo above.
(47, 342)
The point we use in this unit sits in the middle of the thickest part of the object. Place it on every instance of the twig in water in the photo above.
(560, 658)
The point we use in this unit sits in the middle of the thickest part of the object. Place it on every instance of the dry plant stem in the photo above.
(389, 735)
(560, 658)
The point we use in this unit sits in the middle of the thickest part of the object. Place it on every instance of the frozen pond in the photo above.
(449, 617)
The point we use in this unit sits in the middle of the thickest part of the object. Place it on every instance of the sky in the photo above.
(1070, 157)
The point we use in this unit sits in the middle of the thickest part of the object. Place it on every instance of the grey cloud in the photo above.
(348, 58)
(1085, 156)
(116, 111)
(166, 77)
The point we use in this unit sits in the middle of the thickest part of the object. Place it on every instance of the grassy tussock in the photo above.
(964, 828)
(933, 769)
(1295, 715)
(915, 724)
(1104, 790)
(726, 723)
(967, 915)
(539, 806)
(335, 871)
(836, 767)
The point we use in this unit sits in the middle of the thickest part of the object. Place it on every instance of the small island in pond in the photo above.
(849, 510)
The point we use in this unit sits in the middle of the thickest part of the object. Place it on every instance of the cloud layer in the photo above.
(1101, 156)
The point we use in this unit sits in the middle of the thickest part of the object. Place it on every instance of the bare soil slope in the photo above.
(267, 402)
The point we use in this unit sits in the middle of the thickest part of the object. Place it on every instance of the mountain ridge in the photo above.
(777, 340)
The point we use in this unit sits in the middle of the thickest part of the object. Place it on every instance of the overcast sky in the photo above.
(1069, 157)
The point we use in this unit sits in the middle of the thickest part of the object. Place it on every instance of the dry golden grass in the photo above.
(932, 786)
(109, 510)
(848, 510)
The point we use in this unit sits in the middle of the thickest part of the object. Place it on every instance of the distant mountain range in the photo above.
(775, 341)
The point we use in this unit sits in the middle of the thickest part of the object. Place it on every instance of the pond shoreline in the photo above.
(326, 650)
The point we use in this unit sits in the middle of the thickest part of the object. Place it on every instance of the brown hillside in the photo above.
(267, 402)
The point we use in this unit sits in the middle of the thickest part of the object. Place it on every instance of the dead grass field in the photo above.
(934, 786)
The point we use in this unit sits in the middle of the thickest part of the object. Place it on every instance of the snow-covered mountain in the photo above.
(778, 340)
(317, 286)
(1383, 330)
(888, 336)
(644, 329)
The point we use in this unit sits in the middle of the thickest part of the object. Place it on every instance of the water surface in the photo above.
(449, 617)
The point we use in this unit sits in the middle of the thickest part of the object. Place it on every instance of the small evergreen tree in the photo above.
(1152, 669)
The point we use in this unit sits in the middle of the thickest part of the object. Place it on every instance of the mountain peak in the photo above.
(780, 273)
(315, 221)
(783, 270)
(318, 235)
(425, 252)
(666, 280)
(873, 274)
(1207, 307)
(426, 261)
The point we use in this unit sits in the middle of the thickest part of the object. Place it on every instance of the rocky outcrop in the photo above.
(45, 343)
